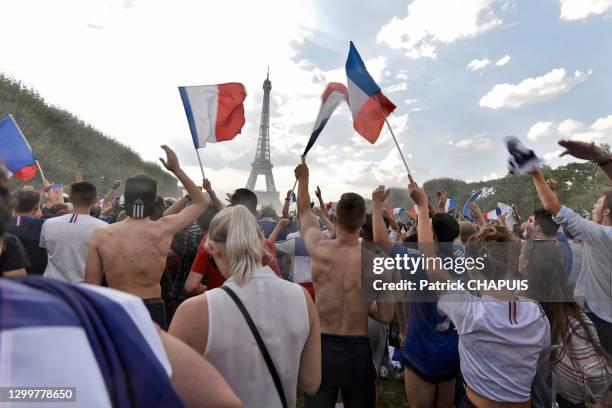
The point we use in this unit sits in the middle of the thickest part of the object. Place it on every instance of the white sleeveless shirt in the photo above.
(278, 309)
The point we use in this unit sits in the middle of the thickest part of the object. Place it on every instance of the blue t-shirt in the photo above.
(431, 339)
(566, 251)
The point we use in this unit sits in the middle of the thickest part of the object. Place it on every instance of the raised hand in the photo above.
(288, 196)
(552, 184)
(442, 195)
(475, 209)
(301, 170)
(116, 184)
(583, 150)
(318, 193)
(171, 163)
(206, 185)
(417, 194)
(379, 195)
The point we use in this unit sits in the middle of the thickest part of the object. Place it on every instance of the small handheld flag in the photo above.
(397, 212)
(332, 96)
(467, 213)
(15, 150)
(450, 205)
(368, 105)
(215, 112)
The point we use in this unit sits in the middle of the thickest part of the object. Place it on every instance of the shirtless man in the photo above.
(132, 253)
(336, 271)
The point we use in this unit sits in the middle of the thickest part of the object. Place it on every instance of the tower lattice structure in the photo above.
(262, 165)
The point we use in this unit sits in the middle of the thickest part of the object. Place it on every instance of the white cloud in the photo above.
(479, 142)
(402, 76)
(598, 131)
(532, 90)
(579, 9)
(430, 24)
(410, 101)
(540, 130)
(477, 64)
(402, 86)
(488, 177)
(503, 60)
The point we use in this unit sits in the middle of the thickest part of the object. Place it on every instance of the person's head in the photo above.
(205, 218)
(57, 210)
(367, 230)
(467, 230)
(350, 212)
(267, 211)
(26, 202)
(494, 245)
(83, 195)
(244, 196)
(541, 263)
(235, 242)
(445, 227)
(140, 195)
(602, 209)
(543, 224)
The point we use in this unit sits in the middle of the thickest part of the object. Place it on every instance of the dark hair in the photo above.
(83, 194)
(367, 230)
(445, 226)
(495, 245)
(205, 218)
(545, 221)
(607, 193)
(26, 201)
(350, 212)
(548, 285)
(5, 215)
(245, 197)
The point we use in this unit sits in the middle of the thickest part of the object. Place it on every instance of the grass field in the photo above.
(390, 394)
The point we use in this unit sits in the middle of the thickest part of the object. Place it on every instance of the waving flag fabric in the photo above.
(365, 98)
(467, 213)
(15, 150)
(493, 214)
(450, 205)
(331, 98)
(215, 112)
(397, 212)
(414, 212)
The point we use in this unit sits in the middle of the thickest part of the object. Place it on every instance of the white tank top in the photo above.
(278, 309)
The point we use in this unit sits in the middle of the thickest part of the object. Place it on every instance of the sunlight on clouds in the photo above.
(532, 90)
(503, 60)
(433, 23)
(579, 9)
(540, 130)
(477, 64)
(599, 131)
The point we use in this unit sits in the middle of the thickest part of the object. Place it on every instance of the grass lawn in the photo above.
(390, 394)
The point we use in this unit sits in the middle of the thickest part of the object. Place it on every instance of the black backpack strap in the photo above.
(260, 343)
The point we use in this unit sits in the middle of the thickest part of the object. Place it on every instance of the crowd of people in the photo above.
(137, 300)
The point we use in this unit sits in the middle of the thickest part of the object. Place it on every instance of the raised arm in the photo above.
(378, 223)
(589, 151)
(285, 212)
(177, 207)
(442, 195)
(322, 205)
(93, 267)
(282, 223)
(547, 197)
(425, 234)
(477, 213)
(309, 226)
(214, 200)
(176, 222)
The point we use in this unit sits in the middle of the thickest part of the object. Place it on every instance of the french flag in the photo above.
(493, 214)
(368, 105)
(450, 205)
(398, 212)
(333, 95)
(15, 150)
(215, 112)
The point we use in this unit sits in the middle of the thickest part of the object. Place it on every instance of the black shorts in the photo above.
(346, 367)
(157, 310)
(433, 379)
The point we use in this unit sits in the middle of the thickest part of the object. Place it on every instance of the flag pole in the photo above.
(395, 140)
(200, 161)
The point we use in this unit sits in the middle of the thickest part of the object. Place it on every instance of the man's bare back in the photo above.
(336, 273)
(133, 255)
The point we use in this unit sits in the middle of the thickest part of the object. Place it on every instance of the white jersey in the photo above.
(66, 239)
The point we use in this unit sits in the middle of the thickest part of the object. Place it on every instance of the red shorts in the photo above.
(309, 287)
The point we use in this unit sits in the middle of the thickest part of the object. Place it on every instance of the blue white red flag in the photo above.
(15, 150)
(450, 205)
(332, 96)
(369, 106)
(215, 112)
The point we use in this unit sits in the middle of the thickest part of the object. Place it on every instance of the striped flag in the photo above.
(397, 212)
(333, 94)
(450, 205)
(215, 112)
(365, 98)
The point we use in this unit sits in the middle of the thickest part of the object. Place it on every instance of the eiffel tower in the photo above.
(262, 164)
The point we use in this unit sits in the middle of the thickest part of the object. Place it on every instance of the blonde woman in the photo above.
(282, 312)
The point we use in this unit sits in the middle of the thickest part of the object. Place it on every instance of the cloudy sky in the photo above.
(463, 74)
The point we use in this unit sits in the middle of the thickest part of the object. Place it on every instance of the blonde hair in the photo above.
(237, 228)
